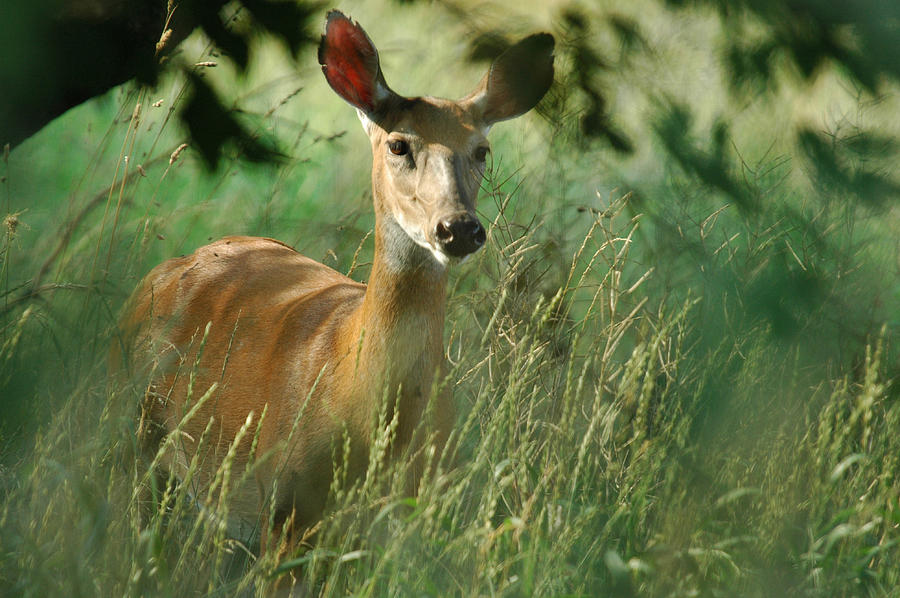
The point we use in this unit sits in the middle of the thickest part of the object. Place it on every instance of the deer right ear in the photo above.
(350, 63)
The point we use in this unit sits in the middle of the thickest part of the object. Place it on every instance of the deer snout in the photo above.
(459, 236)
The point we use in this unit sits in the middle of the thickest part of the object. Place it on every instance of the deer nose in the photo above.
(460, 236)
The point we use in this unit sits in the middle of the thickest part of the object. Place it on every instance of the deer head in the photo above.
(429, 154)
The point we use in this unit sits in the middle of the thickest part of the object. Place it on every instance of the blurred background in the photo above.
(692, 274)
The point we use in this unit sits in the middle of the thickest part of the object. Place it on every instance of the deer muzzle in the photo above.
(459, 235)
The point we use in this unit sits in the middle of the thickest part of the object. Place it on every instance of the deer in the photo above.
(292, 357)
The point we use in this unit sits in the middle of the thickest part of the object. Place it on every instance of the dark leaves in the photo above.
(57, 55)
(587, 69)
(858, 36)
(288, 21)
(850, 168)
(710, 164)
(213, 127)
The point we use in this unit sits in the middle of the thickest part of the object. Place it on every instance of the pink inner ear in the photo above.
(349, 61)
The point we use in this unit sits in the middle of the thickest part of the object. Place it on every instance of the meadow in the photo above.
(674, 367)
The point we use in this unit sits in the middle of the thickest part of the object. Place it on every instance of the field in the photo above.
(674, 366)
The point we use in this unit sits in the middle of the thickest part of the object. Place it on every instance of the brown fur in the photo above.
(279, 320)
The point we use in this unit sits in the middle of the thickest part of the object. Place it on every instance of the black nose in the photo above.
(460, 236)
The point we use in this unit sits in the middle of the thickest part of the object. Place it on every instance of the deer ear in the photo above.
(516, 81)
(350, 63)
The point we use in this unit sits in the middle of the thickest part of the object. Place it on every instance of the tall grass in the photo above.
(660, 392)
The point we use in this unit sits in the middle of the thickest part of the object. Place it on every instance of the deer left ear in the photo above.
(350, 63)
(516, 81)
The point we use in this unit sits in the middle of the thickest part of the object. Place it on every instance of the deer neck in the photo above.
(405, 298)
(401, 318)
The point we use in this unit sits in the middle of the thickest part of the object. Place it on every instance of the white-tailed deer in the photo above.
(293, 339)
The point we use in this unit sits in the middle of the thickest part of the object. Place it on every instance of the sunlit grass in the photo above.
(659, 391)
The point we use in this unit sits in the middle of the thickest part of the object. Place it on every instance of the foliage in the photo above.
(60, 54)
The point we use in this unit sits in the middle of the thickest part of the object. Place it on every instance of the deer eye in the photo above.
(481, 154)
(398, 147)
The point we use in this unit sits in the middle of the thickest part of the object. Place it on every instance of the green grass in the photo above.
(660, 392)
